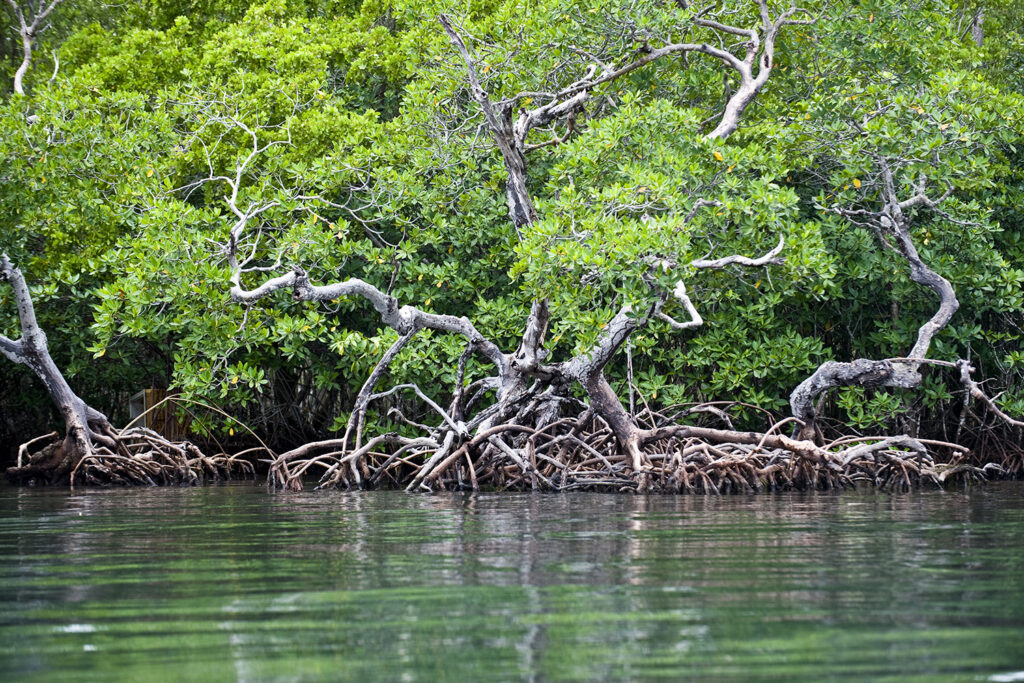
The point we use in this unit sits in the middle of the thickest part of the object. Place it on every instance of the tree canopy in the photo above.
(583, 164)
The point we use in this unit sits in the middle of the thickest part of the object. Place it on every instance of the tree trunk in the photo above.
(903, 373)
(26, 62)
(978, 28)
(83, 424)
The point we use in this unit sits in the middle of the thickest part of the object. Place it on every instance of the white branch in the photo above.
(695, 320)
(29, 30)
(770, 257)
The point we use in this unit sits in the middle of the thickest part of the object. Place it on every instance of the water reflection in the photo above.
(235, 583)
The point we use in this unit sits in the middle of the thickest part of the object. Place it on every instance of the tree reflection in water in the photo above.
(230, 582)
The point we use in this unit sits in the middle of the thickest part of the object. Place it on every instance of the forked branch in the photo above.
(31, 22)
(892, 226)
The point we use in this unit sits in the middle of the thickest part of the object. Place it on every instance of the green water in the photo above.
(234, 583)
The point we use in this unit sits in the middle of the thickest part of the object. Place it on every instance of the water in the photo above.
(234, 583)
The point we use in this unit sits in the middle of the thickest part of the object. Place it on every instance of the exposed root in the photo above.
(132, 457)
(92, 450)
(582, 454)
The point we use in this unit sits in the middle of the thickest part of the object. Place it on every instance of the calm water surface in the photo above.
(234, 583)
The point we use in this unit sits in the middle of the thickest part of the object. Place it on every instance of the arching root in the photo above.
(134, 457)
(582, 454)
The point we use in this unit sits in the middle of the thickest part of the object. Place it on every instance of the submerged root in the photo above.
(131, 457)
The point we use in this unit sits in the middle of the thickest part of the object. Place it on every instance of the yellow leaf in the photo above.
(757, 284)
(234, 380)
(527, 101)
(944, 126)
(420, 277)
(487, 67)
(231, 431)
(440, 282)
(856, 183)
(728, 170)
(99, 354)
(871, 18)
(718, 155)
(149, 173)
(427, 302)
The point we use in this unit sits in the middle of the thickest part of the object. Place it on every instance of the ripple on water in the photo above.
(235, 583)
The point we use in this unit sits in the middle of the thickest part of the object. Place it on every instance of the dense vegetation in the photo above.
(183, 154)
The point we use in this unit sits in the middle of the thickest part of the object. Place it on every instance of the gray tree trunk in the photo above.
(83, 423)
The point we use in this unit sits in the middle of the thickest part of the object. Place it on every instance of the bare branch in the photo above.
(697, 206)
(56, 65)
(892, 226)
(769, 258)
(29, 29)
(695, 320)
(975, 391)
(402, 319)
(479, 94)
(11, 349)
